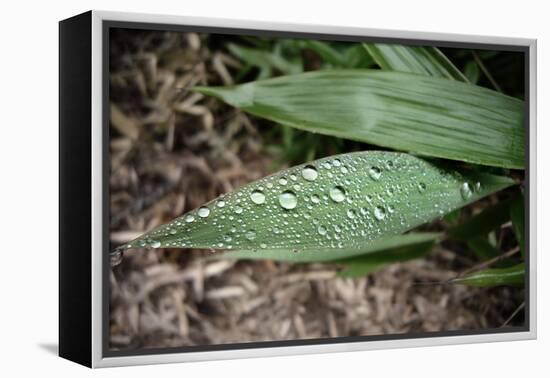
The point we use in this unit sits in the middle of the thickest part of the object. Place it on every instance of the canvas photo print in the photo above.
(278, 189)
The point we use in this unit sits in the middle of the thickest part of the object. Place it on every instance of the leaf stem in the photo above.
(486, 72)
(516, 311)
(489, 262)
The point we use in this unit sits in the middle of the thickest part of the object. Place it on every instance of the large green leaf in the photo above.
(344, 201)
(512, 276)
(425, 115)
(428, 61)
(377, 247)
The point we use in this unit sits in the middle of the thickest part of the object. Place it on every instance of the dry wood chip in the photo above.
(299, 326)
(125, 124)
(221, 70)
(331, 324)
(309, 276)
(218, 267)
(124, 236)
(225, 292)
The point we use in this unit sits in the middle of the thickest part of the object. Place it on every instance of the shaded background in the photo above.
(172, 150)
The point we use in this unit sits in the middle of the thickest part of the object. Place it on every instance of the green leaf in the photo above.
(326, 52)
(425, 115)
(482, 248)
(344, 201)
(428, 61)
(265, 60)
(335, 254)
(365, 265)
(517, 211)
(471, 71)
(481, 224)
(512, 276)
(452, 217)
(357, 57)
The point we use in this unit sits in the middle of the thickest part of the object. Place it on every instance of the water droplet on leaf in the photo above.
(375, 173)
(466, 190)
(288, 200)
(337, 194)
(309, 173)
(258, 197)
(379, 212)
(203, 212)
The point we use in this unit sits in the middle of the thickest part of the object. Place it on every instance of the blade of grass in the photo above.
(428, 61)
(326, 52)
(517, 211)
(334, 254)
(424, 115)
(344, 201)
(512, 276)
(264, 60)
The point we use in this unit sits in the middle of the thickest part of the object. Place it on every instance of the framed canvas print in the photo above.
(235, 189)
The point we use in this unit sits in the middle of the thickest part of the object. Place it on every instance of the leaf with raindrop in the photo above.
(343, 255)
(341, 202)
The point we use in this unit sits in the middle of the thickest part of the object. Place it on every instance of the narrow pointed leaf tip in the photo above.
(511, 276)
(430, 116)
(344, 201)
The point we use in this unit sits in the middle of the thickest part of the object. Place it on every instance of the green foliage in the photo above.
(482, 247)
(512, 276)
(428, 61)
(394, 245)
(353, 208)
(517, 211)
(424, 115)
(345, 201)
(367, 264)
(483, 223)
(471, 71)
(266, 61)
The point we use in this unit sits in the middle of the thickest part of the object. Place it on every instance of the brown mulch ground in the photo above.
(171, 151)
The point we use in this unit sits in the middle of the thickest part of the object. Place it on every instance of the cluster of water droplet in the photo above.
(335, 202)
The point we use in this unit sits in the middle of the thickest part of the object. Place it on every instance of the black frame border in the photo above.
(75, 189)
